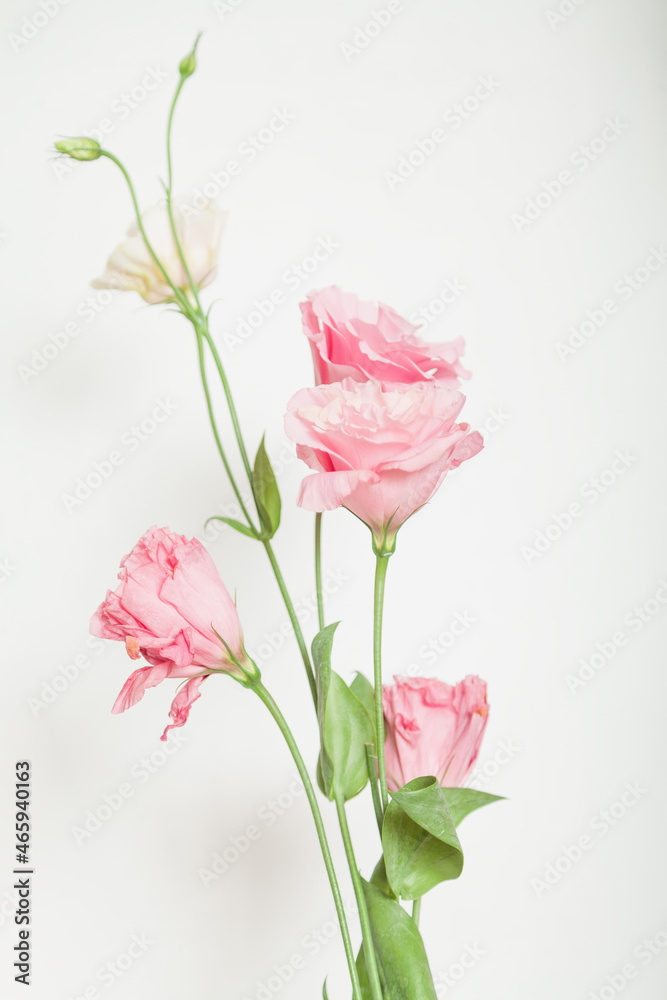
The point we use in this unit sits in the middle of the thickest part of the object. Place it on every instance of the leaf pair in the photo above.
(345, 726)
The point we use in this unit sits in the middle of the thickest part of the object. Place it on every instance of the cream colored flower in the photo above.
(131, 267)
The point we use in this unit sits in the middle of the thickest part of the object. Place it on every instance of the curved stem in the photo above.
(267, 699)
(380, 574)
(318, 570)
(211, 415)
(366, 931)
(293, 618)
(195, 290)
(230, 401)
(416, 910)
(178, 294)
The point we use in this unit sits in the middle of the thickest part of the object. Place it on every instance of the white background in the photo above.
(536, 617)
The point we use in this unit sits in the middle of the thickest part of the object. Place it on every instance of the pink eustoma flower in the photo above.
(379, 450)
(350, 338)
(168, 607)
(433, 728)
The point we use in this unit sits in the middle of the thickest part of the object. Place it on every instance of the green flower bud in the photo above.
(80, 149)
(189, 64)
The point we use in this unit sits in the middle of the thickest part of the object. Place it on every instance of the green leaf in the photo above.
(404, 969)
(236, 525)
(461, 801)
(365, 692)
(265, 490)
(345, 726)
(325, 995)
(419, 840)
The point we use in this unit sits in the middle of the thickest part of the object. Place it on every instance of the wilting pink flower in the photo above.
(369, 340)
(433, 728)
(131, 266)
(380, 450)
(168, 607)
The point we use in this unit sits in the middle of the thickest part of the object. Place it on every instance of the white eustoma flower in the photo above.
(131, 266)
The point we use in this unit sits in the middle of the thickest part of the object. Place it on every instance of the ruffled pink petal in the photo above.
(182, 703)
(328, 490)
(135, 686)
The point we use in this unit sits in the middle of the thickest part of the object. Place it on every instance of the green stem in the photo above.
(366, 931)
(293, 618)
(211, 415)
(230, 401)
(380, 574)
(195, 290)
(178, 294)
(267, 699)
(371, 762)
(318, 570)
(416, 910)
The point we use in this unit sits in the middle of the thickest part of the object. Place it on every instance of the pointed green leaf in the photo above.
(365, 692)
(404, 969)
(345, 726)
(419, 840)
(461, 801)
(265, 490)
(325, 995)
(236, 525)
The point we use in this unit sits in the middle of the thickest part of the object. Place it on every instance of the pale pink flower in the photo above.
(131, 266)
(168, 607)
(350, 338)
(433, 728)
(379, 450)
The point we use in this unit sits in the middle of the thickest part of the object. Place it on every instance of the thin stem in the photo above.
(318, 570)
(416, 910)
(230, 401)
(195, 290)
(366, 931)
(267, 699)
(178, 294)
(371, 762)
(211, 415)
(380, 574)
(293, 618)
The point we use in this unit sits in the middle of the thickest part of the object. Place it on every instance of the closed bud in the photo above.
(189, 64)
(81, 148)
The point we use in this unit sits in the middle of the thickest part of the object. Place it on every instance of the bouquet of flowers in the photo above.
(379, 432)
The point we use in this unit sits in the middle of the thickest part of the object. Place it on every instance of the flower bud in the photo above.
(81, 148)
(189, 64)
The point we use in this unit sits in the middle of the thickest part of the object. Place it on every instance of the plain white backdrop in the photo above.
(534, 227)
